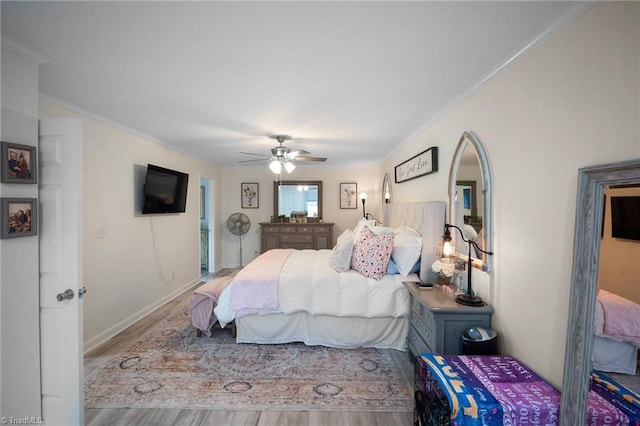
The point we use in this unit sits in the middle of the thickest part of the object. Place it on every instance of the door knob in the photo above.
(67, 295)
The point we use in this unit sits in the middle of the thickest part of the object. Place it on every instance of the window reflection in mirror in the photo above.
(469, 196)
(297, 196)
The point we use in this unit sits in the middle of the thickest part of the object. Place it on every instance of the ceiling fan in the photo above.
(282, 156)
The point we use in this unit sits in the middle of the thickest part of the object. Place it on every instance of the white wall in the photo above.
(570, 103)
(368, 177)
(19, 278)
(141, 261)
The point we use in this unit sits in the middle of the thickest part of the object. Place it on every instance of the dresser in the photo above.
(436, 321)
(296, 236)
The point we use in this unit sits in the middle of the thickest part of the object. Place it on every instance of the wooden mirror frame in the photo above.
(278, 183)
(584, 282)
(468, 138)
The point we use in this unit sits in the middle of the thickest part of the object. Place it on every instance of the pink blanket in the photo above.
(255, 288)
(203, 302)
(621, 317)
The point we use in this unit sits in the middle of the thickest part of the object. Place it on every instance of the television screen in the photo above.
(165, 191)
(625, 217)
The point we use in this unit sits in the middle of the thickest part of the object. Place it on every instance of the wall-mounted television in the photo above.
(165, 191)
(625, 217)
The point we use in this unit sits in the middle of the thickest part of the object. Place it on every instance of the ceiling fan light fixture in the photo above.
(289, 166)
(275, 167)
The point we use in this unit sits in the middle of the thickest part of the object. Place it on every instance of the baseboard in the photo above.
(101, 338)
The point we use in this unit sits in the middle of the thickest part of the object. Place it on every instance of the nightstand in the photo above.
(437, 321)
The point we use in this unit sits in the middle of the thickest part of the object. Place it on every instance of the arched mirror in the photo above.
(592, 182)
(386, 189)
(297, 196)
(470, 197)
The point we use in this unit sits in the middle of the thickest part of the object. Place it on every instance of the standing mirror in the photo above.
(297, 196)
(592, 182)
(470, 197)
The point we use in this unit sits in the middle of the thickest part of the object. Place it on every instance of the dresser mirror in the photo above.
(470, 197)
(592, 182)
(297, 196)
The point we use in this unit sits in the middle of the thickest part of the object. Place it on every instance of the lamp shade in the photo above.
(289, 167)
(275, 166)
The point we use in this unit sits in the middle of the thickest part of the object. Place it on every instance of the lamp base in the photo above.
(468, 300)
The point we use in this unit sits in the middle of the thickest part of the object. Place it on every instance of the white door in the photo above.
(61, 271)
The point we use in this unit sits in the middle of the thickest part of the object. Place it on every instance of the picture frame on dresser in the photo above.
(250, 195)
(18, 163)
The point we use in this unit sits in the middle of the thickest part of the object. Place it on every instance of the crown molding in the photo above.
(561, 21)
(23, 51)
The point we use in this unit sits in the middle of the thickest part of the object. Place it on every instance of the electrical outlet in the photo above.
(99, 232)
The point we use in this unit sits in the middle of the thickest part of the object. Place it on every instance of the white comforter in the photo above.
(308, 283)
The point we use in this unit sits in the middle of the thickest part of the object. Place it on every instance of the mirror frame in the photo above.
(277, 183)
(584, 282)
(468, 138)
(386, 188)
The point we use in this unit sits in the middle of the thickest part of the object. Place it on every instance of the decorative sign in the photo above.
(422, 164)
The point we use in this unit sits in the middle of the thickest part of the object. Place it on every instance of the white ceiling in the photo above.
(348, 80)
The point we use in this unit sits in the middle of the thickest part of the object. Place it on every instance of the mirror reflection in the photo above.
(469, 192)
(300, 197)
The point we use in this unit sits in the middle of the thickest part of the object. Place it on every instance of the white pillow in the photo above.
(363, 223)
(407, 248)
(341, 254)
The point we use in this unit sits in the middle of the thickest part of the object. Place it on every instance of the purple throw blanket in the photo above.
(496, 390)
(493, 390)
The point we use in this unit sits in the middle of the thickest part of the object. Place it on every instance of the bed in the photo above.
(617, 334)
(287, 295)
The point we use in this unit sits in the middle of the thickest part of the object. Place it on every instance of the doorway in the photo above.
(206, 231)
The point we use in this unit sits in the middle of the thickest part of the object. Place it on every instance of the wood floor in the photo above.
(148, 416)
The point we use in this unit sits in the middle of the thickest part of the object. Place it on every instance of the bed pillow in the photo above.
(340, 259)
(371, 253)
(392, 268)
(407, 248)
(370, 224)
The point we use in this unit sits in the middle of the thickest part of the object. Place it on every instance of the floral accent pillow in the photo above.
(371, 254)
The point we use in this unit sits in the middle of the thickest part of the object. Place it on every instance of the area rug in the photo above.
(169, 367)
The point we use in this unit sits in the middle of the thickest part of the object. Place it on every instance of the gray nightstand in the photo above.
(437, 321)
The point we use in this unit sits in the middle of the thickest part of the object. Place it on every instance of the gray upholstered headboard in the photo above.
(428, 218)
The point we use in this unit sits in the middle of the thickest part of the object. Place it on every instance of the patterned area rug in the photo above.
(169, 367)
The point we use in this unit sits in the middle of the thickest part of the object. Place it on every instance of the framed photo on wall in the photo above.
(250, 196)
(348, 195)
(19, 217)
(18, 163)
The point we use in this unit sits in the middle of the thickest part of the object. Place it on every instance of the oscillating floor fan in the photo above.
(239, 224)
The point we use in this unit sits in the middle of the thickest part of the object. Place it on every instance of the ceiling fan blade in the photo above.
(250, 161)
(293, 154)
(251, 153)
(305, 158)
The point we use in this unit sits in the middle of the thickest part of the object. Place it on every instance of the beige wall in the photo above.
(142, 261)
(619, 259)
(570, 103)
(367, 176)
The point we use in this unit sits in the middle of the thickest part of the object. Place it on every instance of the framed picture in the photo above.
(249, 193)
(419, 165)
(18, 163)
(19, 217)
(348, 195)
